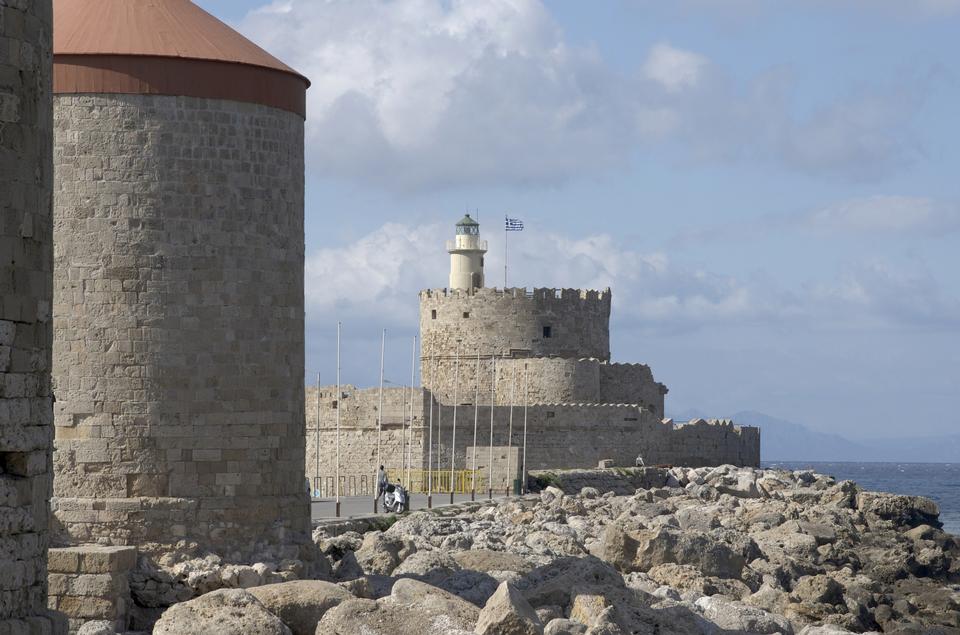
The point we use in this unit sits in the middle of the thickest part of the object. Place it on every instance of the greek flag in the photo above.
(514, 225)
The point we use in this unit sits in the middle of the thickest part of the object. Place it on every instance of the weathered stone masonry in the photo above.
(26, 261)
(178, 320)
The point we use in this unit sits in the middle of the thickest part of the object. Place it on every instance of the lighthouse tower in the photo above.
(466, 256)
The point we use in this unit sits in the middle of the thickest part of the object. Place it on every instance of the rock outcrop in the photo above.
(707, 550)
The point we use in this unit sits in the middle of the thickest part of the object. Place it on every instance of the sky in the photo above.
(770, 189)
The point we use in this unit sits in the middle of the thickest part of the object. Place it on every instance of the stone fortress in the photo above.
(152, 314)
(546, 352)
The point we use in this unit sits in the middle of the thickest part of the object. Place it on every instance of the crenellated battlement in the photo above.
(600, 297)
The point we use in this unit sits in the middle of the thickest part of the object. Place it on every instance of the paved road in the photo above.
(351, 506)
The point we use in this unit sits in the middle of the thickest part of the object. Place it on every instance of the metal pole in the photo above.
(453, 443)
(430, 443)
(476, 416)
(493, 400)
(336, 483)
(376, 495)
(315, 488)
(513, 398)
(526, 395)
(439, 431)
(505, 237)
(413, 377)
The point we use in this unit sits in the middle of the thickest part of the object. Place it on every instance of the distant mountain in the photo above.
(782, 440)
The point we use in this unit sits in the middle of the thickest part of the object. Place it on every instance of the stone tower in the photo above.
(178, 300)
(466, 255)
(26, 332)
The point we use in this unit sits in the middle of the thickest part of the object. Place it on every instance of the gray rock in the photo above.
(818, 589)
(222, 612)
(485, 560)
(564, 627)
(507, 612)
(901, 510)
(378, 555)
(98, 627)
(736, 616)
(412, 608)
(300, 604)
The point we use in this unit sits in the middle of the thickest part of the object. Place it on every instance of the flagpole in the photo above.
(433, 378)
(493, 400)
(336, 484)
(453, 443)
(383, 343)
(318, 482)
(476, 416)
(505, 238)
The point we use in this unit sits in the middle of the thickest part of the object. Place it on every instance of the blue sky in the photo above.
(769, 188)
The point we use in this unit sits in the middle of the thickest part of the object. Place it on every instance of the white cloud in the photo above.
(888, 214)
(376, 279)
(428, 94)
(673, 68)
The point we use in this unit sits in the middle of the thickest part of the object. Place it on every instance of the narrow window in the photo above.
(547, 331)
(334, 404)
(433, 314)
(466, 314)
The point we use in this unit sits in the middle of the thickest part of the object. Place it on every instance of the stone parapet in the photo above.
(91, 582)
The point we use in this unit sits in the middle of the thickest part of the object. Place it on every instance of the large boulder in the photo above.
(736, 616)
(551, 585)
(412, 608)
(639, 550)
(485, 560)
(909, 511)
(300, 604)
(378, 554)
(221, 612)
(507, 612)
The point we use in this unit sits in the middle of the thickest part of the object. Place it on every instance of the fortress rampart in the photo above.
(515, 323)
(546, 380)
(559, 435)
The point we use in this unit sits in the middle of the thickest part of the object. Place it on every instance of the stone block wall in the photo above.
(91, 582)
(704, 442)
(558, 436)
(358, 436)
(544, 380)
(178, 317)
(505, 465)
(26, 264)
(513, 322)
(631, 383)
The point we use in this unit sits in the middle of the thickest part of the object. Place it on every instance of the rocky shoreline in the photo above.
(706, 550)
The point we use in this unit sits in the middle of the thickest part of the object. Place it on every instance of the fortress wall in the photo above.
(26, 333)
(549, 379)
(631, 383)
(713, 442)
(358, 432)
(511, 323)
(558, 436)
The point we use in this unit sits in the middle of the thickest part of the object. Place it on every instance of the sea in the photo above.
(937, 481)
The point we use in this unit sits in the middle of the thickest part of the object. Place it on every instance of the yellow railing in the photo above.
(463, 481)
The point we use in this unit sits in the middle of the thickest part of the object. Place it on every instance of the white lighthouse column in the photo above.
(466, 255)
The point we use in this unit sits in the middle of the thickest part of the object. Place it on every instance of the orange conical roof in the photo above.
(134, 37)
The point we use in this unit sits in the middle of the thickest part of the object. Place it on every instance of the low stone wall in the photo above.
(91, 582)
(620, 481)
